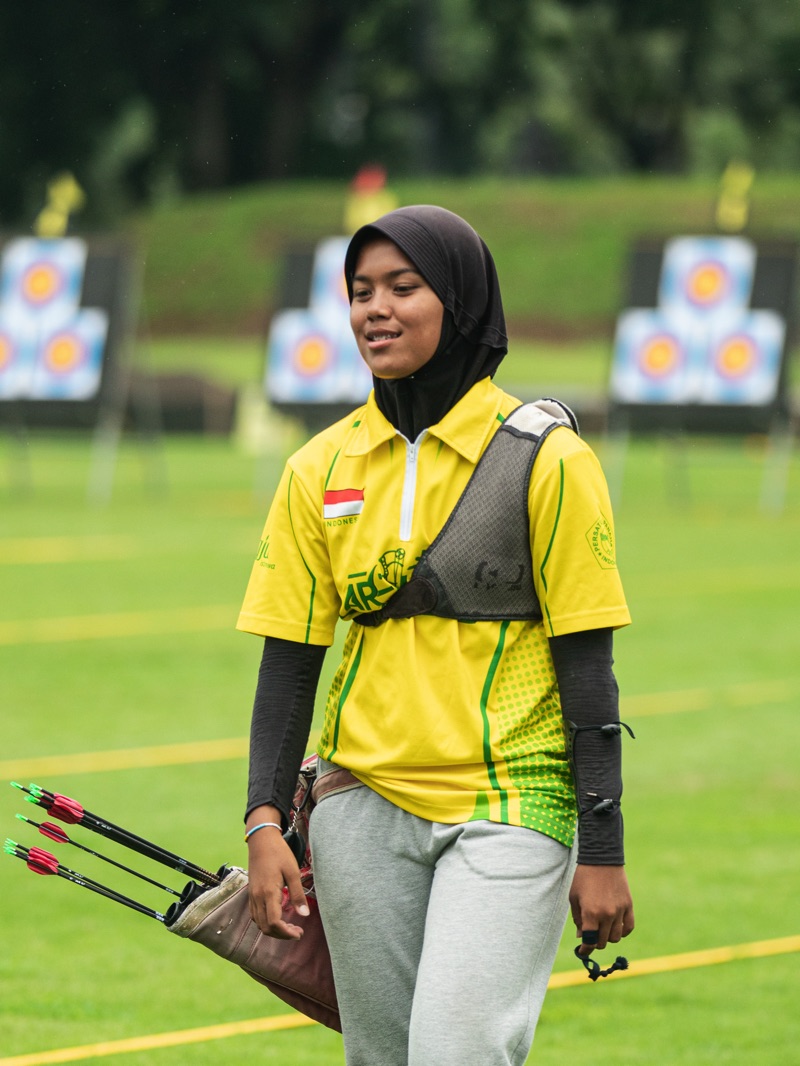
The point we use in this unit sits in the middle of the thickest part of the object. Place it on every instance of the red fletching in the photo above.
(55, 832)
(42, 862)
(65, 809)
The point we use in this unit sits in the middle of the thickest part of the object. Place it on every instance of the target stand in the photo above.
(67, 313)
(703, 347)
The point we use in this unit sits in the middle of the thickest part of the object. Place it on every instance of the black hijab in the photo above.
(459, 268)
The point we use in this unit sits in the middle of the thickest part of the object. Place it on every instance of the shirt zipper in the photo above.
(410, 487)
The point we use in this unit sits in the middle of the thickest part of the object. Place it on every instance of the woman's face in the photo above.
(395, 315)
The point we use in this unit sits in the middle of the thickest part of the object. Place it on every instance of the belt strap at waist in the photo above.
(339, 780)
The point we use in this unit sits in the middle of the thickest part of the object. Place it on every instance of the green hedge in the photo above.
(213, 261)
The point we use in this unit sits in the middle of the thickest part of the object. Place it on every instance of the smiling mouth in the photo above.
(376, 336)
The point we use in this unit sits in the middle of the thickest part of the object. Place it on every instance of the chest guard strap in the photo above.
(479, 566)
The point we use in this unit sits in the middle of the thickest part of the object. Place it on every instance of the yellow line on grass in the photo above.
(160, 1040)
(123, 624)
(21, 550)
(665, 964)
(92, 762)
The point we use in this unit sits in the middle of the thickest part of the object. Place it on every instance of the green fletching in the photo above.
(16, 784)
(10, 846)
(31, 799)
(36, 790)
(21, 817)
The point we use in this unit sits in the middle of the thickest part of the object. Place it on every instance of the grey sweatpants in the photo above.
(442, 937)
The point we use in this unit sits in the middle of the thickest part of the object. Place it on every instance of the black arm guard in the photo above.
(590, 706)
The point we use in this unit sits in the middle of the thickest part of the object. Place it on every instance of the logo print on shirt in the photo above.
(367, 591)
(262, 555)
(601, 541)
(342, 503)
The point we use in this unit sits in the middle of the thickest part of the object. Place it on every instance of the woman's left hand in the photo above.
(601, 900)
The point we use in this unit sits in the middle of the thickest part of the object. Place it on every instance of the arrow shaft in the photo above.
(52, 832)
(67, 874)
(121, 866)
(109, 893)
(147, 848)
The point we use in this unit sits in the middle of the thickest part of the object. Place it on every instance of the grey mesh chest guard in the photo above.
(479, 567)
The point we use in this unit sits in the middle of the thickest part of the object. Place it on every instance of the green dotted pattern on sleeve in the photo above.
(529, 736)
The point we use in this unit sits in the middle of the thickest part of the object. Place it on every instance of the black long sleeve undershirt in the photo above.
(282, 713)
(590, 698)
(284, 706)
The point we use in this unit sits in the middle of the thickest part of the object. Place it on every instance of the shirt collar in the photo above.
(466, 427)
(370, 430)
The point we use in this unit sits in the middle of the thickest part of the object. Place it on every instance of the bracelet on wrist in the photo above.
(262, 825)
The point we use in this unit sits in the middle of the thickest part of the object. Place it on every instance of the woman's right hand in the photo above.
(271, 867)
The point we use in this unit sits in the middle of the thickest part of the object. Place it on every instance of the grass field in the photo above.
(116, 637)
(579, 367)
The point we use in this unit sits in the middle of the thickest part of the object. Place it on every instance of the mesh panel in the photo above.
(481, 561)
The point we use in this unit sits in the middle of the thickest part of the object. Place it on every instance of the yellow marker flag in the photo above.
(64, 196)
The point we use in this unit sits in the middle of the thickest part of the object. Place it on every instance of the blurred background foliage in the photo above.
(147, 100)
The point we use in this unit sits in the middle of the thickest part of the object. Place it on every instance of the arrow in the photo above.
(43, 862)
(73, 813)
(55, 832)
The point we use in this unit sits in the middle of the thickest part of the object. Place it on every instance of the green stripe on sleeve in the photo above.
(305, 564)
(333, 464)
(553, 537)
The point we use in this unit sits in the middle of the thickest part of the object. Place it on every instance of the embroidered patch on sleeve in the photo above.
(601, 541)
(342, 503)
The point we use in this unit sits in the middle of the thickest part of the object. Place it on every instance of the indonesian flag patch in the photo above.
(342, 503)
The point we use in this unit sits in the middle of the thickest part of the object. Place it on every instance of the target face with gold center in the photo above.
(660, 355)
(43, 277)
(312, 357)
(64, 353)
(655, 360)
(707, 284)
(70, 358)
(707, 275)
(744, 360)
(41, 283)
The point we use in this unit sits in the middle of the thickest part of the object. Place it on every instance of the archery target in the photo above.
(43, 278)
(302, 358)
(328, 286)
(744, 360)
(655, 358)
(707, 275)
(70, 357)
(314, 358)
(17, 356)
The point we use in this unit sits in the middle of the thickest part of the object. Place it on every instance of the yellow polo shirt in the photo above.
(449, 720)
